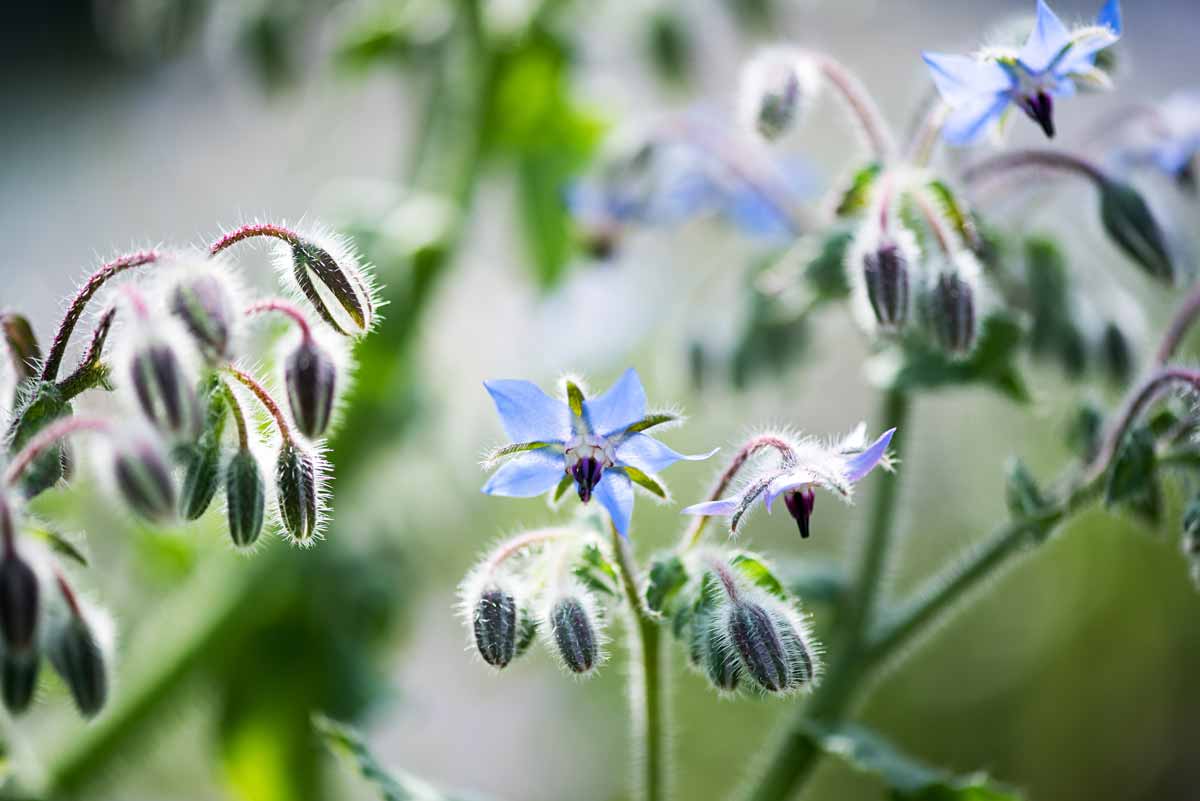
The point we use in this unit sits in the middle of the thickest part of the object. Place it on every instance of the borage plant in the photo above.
(191, 417)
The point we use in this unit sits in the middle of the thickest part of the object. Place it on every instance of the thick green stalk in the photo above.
(646, 699)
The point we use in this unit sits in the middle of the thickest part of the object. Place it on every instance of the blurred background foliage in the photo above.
(441, 135)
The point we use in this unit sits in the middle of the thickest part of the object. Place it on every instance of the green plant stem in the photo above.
(646, 693)
(795, 752)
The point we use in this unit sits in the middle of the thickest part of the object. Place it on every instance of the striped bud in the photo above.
(495, 626)
(163, 393)
(144, 480)
(18, 680)
(296, 487)
(885, 273)
(310, 376)
(774, 87)
(1131, 224)
(20, 602)
(78, 658)
(755, 636)
(205, 307)
(952, 313)
(245, 498)
(801, 665)
(203, 474)
(574, 634)
(719, 662)
(338, 292)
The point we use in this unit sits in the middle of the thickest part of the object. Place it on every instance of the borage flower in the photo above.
(805, 465)
(1167, 138)
(597, 444)
(1054, 62)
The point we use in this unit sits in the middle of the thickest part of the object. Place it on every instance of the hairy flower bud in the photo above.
(801, 663)
(719, 661)
(885, 274)
(163, 393)
(1117, 354)
(245, 498)
(205, 307)
(144, 480)
(340, 294)
(18, 680)
(574, 634)
(296, 485)
(1133, 227)
(310, 376)
(774, 87)
(754, 633)
(20, 602)
(78, 658)
(952, 313)
(495, 626)
(203, 474)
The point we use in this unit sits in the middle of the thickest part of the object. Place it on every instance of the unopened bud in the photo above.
(574, 634)
(310, 376)
(20, 602)
(1117, 353)
(245, 498)
(163, 393)
(753, 632)
(296, 485)
(885, 273)
(205, 307)
(495, 626)
(775, 85)
(144, 480)
(339, 294)
(78, 658)
(801, 664)
(1132, 226)
(719, 661)
(952, 313)
(18, 680)
(203, 474)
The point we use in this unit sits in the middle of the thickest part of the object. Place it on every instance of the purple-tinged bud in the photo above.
(720, 662)
(800, 506)
(775, 85)
(163, 393)
(574, 634)
(754, 634)
(22, 345)
(18, 680)
(310, 376)
(20, 602)
(296, 478)
(587, 473)
(952, 313)
(144, 480)
(1040, 108)
(245, 498)
(76, 655)
(495, 626)
(341, 294)
(885, 273)
(802, 669)
(206, 308)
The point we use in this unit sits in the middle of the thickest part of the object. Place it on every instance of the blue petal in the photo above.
(1046, 42)
(622, 406)
(1084, 47)
(858, 466)
(651, 456)
(723, 508)
(615, 493)
(795, 479)
(967, 123)
(1110, 16)
(755, 215)
(963, 79)
(527, 475)
(528, 414)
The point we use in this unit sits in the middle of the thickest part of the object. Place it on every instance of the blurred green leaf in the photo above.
(1133, 477)
(817, 581)
(956, 213)
(596, 572)
(826, 272)
(1132, 226)
(992, 363)
(857, 196)
(667, 578)
(60, 543)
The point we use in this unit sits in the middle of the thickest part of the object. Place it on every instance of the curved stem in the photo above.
(250, 231)
(692, 535)
(646, 699)
(924, 142)
(511, 547)
(1181, 323)
(62, 336)
(47, 438)
(285, 308)
(1021, 159)
(861, 104)
(90, 372)
(239, 416)
(935, 223)
(264, 397)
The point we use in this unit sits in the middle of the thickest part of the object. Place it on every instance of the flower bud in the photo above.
(22, 345)
(775, 84)
(1131, 224)
(801, 665)
(144, 480)
(20, 602)
(310, 376)
(885, 274)
(163, 393)
(574, 634)
(203, 474)
(495, 626)
(754, 634)
(77, 657)
(952, 313)
(719, 661)
(340, 295)
(18, 680)
(1117, 354)
(245, 498)
(296, 486)
(205, 307)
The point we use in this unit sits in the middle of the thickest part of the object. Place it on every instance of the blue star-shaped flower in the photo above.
(1053, 62)
(596, 443)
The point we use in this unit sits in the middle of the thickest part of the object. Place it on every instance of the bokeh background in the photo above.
(133, 122)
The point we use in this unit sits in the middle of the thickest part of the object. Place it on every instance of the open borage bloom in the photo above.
(598, 444)
(1054, 62)
(805, 465)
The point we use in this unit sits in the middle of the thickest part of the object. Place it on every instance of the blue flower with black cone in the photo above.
(597, 444)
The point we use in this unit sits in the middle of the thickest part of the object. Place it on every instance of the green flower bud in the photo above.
(755, 634)
(245, 498)
(952, 313)
(163, 393)
(296, 484)
(495, 626)
(574, 634)
(203, 474)
(339, 294)
(719, 661)
(144, 480)
(18, 680)
(78, 658)
(20, 602)
(205, 307)
(1132, 226)
(310, 376)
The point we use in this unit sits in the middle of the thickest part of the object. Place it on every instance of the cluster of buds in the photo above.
(178, 368)
(546, 580)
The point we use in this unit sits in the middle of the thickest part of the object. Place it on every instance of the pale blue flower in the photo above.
(807, 464)
(597, 444)
(1167, 138)
(1053, 63)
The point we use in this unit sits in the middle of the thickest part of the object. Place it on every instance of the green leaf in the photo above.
(992, 363)
(650, 421)
(857, 196)
(393, 785)
(59, 542)
(564, 484)
(516, 447)
(1026, 502)
(1133, 477)
(826, 272)
(596, 572)
(907, 778)
(644, 481)
(667, 578)
(1132, 226)
(956, 214)
(758, 572)
(575, 398)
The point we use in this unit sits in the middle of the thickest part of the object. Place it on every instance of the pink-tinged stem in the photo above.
(249, 231)
(68, 594)
(1021, 159)
(510, 548)
(264, 397)
(726, 576)
(285, 308)
(48, 437)
(692, 535)
(861, 104)
(1180, 325)
(59, 347)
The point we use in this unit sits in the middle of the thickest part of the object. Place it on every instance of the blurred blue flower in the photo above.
(1054, 62)
(596, 443)
(1166, 137)
(811, 463)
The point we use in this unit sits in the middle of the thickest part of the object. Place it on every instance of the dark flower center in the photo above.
(587, 472)
(800, 506)
(1040, 108)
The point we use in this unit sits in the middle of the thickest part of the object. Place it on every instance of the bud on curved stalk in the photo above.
(310, 376)
(754, 634)
(885, 276)
(20, 602)
(775, 86)
(245, 498)
(1117, 354)
(144, 480)
(297, 478)
(18, 680)
(1132, 225)
(574, 632)
(203, 474)
(163, 392)
(340, 292)
(77, 656)
(720, 663)
(206, 308)
(495, 626)
(952, 313)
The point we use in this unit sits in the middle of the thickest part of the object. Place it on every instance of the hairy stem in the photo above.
(695, 529)
(284, 308)
(264, 397)
(861, 104)
(1181, 323)
(249, 231)
(90, 371)
(1021, 159)
(48, 437)
(239, 416)
(511, 547)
